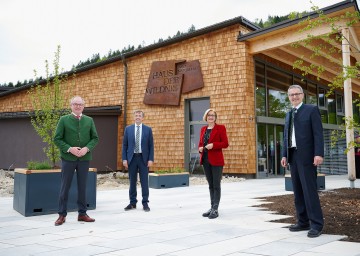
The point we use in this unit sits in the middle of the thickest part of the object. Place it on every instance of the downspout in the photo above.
(124, 108)
(125, 89)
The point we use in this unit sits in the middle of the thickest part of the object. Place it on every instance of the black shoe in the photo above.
(206, 214)
(130, 207)
(146, 207)
(213, 214)
(297, 227)
(314, 233)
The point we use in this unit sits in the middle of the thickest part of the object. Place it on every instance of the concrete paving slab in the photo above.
(173, 227)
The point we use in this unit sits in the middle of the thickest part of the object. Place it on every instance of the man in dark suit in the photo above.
(138, 156)
(76, 137)
(304, 150)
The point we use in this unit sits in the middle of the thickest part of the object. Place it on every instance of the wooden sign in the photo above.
(168, 79)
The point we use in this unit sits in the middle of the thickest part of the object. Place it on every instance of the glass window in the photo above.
(356, 112)
(194, 137)
(340, 104)
(279, 148)
(300, 81)
(340, 110)
(278, 84)
(261, 149)
(322, 98)
(260, 89)
(198, 108)
(324, 116)
(311, 94)
(332, 109)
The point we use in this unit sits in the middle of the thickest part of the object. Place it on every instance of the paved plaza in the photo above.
(173, 227)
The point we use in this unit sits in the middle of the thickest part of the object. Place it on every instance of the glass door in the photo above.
(194, 111)
(269, 147)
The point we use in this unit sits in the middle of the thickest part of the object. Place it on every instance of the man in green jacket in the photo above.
(76, 137)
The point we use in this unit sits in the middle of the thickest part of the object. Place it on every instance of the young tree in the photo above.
(48, 101)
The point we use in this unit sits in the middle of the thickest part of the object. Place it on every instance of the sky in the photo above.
(31, 30)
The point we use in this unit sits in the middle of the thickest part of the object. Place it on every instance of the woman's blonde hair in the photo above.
(207, 112)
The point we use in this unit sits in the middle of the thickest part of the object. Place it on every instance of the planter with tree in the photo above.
(36, 188)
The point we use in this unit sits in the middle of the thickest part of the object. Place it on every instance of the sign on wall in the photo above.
(169, 79)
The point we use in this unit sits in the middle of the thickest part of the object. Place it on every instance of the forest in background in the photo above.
(95, 58)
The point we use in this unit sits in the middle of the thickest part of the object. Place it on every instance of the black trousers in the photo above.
(67, 173)
(357, 166)
(307, 202)
(213, 176)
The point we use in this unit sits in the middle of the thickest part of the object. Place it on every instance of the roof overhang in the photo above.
(276, 41)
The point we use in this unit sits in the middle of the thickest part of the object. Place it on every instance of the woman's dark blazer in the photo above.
(219, 139)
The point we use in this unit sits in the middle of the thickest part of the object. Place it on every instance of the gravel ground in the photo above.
(113, 180)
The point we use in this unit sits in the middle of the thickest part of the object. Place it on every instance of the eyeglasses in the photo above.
(77, 104)
(295, 94)
(211, 115)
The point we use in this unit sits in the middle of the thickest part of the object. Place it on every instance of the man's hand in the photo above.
(318, 160)
(83, 151)
(75, 151)
(78, 152)
(125, 164)
(284, 162)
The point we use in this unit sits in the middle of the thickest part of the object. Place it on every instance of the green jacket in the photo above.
(71, 132)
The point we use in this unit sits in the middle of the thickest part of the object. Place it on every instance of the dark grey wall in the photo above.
(20, 143)
(105, 153)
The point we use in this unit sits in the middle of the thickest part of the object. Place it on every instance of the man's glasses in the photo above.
(77, 104)
(295, 94)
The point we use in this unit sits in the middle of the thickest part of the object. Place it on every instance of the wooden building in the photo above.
(245, 71)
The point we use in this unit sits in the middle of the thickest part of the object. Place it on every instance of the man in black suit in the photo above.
(304, 150)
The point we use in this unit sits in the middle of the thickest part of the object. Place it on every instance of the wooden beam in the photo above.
(289, 59)
(305, 54)
(355, 44)
(287, 37)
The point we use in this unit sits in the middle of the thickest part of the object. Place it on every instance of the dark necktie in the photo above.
(137, 139)
(291, 126)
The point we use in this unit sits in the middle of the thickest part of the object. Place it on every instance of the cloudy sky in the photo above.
(31, 30)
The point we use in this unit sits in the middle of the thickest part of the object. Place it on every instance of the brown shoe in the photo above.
(85, 218)
(60, 220)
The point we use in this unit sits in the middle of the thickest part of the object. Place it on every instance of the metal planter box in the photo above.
(168, 180)
(36, 192)
(320, 182)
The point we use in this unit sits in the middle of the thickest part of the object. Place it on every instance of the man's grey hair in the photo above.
(73, 98)
(296, 86)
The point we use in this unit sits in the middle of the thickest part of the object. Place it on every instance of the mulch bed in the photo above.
(341, 209)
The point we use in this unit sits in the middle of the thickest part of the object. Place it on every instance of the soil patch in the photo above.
(341, 209)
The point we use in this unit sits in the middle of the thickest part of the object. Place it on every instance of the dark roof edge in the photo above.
(288, 23)
(238, 20)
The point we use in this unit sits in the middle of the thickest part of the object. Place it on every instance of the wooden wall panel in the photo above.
(228, 74)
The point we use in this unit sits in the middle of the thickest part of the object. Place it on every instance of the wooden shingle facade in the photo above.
(228, 63)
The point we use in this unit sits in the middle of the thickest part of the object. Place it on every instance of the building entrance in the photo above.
(269, 146)
(194, 111)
